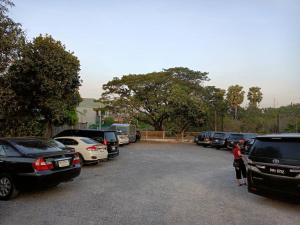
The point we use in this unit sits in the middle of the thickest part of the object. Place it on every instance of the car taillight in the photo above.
(105, 142)
(76, 159)
(92, 148)
(41, 165)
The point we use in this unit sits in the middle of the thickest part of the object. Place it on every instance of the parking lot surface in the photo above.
(151, 183)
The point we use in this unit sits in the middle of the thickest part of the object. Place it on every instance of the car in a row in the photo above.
(31, 162)
(272, 161)
(224, 139)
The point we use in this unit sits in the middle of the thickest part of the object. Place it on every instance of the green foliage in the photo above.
(108, 121)
(42, 84)
(235, 97)
(11, 37)
(156, 97)
(254, 96)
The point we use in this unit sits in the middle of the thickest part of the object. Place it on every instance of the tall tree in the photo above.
(216, 105)
(235, 97)
(11, 37)
(254, 96)
(44, 83)
(152, 98)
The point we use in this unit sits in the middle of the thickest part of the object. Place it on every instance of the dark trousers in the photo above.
(240, 169)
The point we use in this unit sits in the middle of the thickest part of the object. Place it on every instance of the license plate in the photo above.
(63, 163)
(113, 148)
(277, 171)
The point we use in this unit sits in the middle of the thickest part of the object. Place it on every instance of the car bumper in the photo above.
(46, 178)
(113, 154)
(96, 155)
(259, 183)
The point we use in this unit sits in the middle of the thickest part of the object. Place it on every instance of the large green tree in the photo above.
(235, 97)
(155, 97)
(42, 85)
(11, 37)
(254, 96)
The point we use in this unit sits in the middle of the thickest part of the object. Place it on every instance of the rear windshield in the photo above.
(110, 136)
(219, 135)
(37, 146)
(88, 141)
(250, 136)
(279, 149)
(236, 136)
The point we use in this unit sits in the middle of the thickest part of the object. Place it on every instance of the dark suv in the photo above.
(106, 137)
(274, 164)
(220, 140)
(205, 138)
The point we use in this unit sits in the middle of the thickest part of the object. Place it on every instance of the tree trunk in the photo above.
(49, 132)
(235, 112)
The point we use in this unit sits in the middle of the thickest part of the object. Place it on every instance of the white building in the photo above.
(89, 110)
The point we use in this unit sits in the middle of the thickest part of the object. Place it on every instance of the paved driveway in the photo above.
(151, 184)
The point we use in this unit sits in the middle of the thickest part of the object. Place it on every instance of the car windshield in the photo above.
(250, 136)
(89, 141)
(110, 136)
(59, 144)
(236, 136)
(219, 135)
(37, 146)
(277, 148)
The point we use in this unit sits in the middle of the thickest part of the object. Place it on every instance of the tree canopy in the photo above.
(235, 97)
(155, 97)
(42, 84)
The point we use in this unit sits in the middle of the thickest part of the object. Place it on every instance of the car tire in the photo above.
(81, 160)
(8, 188)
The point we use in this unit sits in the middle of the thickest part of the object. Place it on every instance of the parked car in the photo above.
(106, 137)
(220, 140)
(274, 165)
(90, 151)
(242, 138)
(123, 138)
(31, 162)
(205, 138)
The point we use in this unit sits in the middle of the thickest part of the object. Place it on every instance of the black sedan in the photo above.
(34, 162)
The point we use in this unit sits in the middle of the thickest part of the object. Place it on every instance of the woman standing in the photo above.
(240, 168)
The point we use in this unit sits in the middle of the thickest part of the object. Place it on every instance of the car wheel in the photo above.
(81, 160)
(7, 187)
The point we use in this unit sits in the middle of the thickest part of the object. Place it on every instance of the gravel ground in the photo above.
(151, 183)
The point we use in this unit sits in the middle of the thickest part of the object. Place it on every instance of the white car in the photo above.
(123, 138)
(90, 151)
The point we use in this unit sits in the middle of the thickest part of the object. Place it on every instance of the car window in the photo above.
(219, 135)
(110, 136)
(279, 149)
(6, 150)
(88, 141)
(33, 146)
(2, 151)
(68, 141)
(236, 136)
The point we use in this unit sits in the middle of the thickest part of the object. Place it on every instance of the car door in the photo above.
(12, 161)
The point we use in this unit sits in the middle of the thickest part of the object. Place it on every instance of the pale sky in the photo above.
(250, 43)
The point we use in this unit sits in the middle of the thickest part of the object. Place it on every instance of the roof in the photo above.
(90, 103)
(282, 135)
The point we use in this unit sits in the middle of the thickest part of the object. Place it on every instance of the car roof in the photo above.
(90, 130)
(23, 138)
(282, 135)
(73, 137)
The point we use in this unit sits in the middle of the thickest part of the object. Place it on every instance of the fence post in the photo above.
(146, 135)
(182, 136)
(164, 134)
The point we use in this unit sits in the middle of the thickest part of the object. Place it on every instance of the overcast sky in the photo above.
(250, 43)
